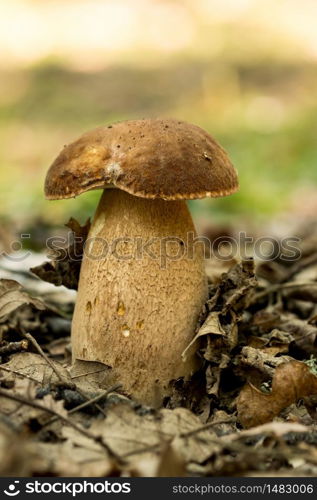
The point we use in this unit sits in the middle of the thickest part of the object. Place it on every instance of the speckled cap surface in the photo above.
(150, 158)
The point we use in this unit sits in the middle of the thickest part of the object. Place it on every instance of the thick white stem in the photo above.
(142, 286)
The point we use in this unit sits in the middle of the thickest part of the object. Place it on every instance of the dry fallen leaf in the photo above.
(246, 331)
(211, 326)
(133, 436)
(32, 366)
(64, 269)
(13, 455)
(12, 296)
(25, 374)
(67, 460)
(21, 313)
(260, 360)
(227, 301)
(304, 335)
(213, 375)
(57, 406)
(291, 381)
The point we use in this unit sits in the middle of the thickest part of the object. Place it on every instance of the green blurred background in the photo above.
(245, 70)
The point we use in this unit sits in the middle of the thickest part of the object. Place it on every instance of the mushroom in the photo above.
(142, 281)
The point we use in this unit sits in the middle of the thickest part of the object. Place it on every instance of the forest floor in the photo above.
(250, 410)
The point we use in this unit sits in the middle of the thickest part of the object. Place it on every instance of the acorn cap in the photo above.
(150, 158)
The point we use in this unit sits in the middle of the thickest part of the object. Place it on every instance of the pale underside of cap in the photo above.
(151, 158)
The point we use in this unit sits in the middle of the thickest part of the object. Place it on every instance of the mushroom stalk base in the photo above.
(142, 286)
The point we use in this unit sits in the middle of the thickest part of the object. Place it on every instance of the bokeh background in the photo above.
(246, 70)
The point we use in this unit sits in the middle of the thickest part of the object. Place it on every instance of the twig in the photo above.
(12, 347)
(279, 286)
(81, 430)
(53, 367)
(86, 403)
(57, 373)
(82, 394)
(89, 373)
(150, 447)
(96, 405)
(48, 361)
(95, 400)
(205, 427)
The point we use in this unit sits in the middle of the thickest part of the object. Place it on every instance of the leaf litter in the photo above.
(251, 409)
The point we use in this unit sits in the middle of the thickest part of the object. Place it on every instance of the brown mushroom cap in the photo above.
(151, 158)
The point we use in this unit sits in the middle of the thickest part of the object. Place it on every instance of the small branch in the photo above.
(89, 373)
(92, 400)
(44, 356)
(280, 286)
(86, 403)
(145, 449)
(205, 427)
(96, 405)
(12, 347)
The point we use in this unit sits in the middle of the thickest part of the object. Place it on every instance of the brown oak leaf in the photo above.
(291, 382)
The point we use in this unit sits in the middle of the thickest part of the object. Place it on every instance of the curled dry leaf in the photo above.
(260, 360)
(211, 326)
(276, 342)
(64, 268)
(235, 289)
(291, 381)
(213, 374)
(12, 296)
(21, 313)
(227, 302)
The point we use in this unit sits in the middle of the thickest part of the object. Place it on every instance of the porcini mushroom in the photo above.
(141, 287)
